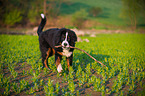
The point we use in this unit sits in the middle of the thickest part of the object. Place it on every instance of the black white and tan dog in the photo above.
(54, 37)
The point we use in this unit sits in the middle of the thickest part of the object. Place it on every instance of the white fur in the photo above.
(42, 15)
(66, 36)
(65, 41)
(66, 48)
(59, 68)
(66, 53)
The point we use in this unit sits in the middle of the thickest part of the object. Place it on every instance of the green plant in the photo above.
(35, 78)
(123, 54)
(77, 93)
(88, 69)
(79, 70)
(31, 90)
(41, 82)
(32, 15)
(71, 76)
(13, 17)
(45, 70)
(7, 89)
(57, 88)
(70, 27)
(94, 11)
(71, 86)
(103, 90)
(79, 17)
(97, 85)
(15, 87)
(49, 89)
(1, 80)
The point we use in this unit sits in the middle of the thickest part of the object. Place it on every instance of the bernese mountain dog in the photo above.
(54, 37)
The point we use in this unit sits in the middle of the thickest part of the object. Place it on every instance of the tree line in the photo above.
(27, 12)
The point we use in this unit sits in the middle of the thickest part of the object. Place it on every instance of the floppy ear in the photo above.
(74, 37)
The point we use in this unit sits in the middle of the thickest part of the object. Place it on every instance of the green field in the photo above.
(123, 54)
(111, 10)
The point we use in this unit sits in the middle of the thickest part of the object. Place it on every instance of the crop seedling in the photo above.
(97, 84)
(77, 93)
(31, 90)
(71, 86)
(88, 69)
(35, 78)
(7, 89)
(78, 73)
(123, 54)
(87, 80)
(49, 89)
(82, 79)
(71, 76)
(41, 82)
(1, 80)
(103, 90)
(57, 88)
(15, 87)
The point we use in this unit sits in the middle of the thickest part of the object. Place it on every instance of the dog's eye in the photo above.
(62, 38)
(68, 38)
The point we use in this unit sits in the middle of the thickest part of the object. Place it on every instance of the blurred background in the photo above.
(24, 15)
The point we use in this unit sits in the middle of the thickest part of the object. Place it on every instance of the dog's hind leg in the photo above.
(45, 56)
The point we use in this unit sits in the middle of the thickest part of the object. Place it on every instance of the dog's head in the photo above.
(66, 38)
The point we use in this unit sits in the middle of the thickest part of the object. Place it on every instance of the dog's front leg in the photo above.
(69, 61)
(58, 64)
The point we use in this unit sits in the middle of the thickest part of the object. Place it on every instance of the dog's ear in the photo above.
(61, 31)
(73, 36)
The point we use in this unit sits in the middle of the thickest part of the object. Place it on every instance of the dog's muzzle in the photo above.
(65, 45)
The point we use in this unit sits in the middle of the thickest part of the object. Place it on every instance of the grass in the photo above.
(123, 54)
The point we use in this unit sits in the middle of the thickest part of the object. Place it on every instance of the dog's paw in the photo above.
(59, 68)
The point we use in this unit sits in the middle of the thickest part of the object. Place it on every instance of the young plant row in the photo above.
(123, 54)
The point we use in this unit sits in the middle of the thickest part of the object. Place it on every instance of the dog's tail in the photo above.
(42, 24)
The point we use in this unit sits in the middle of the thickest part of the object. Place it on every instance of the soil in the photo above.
(84, 90)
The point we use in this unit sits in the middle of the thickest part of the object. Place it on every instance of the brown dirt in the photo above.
(84, 90)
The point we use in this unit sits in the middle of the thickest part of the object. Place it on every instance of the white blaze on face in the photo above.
(66, 48)
(59, 68)
(66, 36)
(65, 41)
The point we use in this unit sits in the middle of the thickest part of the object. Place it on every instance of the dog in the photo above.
(54, 37)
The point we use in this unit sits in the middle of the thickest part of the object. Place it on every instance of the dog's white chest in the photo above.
(66, 53)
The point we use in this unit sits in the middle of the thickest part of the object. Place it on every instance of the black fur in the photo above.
(51, 38)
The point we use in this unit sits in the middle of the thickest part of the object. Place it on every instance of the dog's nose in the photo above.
(65, 44)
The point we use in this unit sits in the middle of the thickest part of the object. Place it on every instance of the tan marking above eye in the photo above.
(60, 43)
